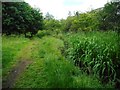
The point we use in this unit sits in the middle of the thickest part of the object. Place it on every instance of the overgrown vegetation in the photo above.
(95, 53)
(82, 51)
(51, 70)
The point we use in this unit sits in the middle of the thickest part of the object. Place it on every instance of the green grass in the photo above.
(51, 70)
(11, 46)
(49, 67)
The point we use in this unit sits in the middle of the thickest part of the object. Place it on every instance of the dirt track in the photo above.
(15, 73)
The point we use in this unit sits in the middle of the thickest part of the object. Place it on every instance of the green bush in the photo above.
(42, 33)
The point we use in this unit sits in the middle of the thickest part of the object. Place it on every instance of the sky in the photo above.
(60, 8)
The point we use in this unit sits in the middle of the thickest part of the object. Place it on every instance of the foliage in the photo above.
(63, 46)
(110, 16)
(51, 24)
(82, 22)
(20, 18)
(95, 53)
(42, 33)
(106, 18)
(50, 69)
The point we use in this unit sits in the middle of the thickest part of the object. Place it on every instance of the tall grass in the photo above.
(95, 53)
(51, 70)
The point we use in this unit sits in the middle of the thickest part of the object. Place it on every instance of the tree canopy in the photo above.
(20, 18)
(110, 16)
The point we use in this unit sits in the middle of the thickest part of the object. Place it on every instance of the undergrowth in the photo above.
(51, 70)
(96, 53)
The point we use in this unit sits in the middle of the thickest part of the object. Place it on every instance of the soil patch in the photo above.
(15, 73)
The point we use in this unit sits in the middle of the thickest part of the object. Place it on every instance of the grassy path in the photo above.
(24, 59)
(50, 69)
(29, 55)
(15, 73)
(46, 51)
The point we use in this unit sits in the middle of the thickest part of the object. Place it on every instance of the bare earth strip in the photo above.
(15, 72)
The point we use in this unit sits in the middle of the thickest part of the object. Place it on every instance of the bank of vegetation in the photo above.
(81, 51)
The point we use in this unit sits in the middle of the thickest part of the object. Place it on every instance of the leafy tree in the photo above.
(110, 16)
(20, 18)
(51, 24)
(68, 24)
(82, 22)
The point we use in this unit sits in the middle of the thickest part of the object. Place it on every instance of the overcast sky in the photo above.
(60, 8)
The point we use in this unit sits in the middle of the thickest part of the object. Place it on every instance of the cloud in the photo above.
(60, 8)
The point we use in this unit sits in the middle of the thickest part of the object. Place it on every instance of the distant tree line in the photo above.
(103, 19)
(20, 18)
(110, 16)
